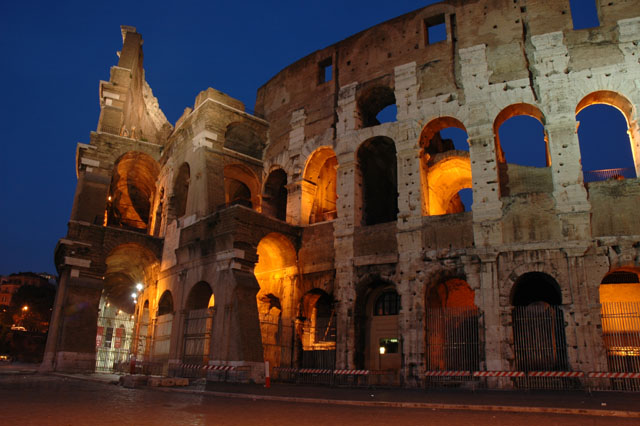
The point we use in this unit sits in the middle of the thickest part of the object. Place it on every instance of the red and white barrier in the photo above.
(499, 374)
(555, 374)
(615, 375)
(209, 367)
(447, 373)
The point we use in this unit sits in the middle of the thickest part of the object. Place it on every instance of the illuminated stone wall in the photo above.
(214, 215)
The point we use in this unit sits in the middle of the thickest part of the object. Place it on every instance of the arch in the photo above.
(430, 140)
(200, 296)
(242, 138)
(378, 168)
(620, 303)
(445, 179)
(452, 326)
(538, 324)
(533, 287)
(198, 324)
(133, 185)
(241, 186)
(319, 194)
(127, 265)
(274, 197)
(277, 275)
(600, 164)
(317, 330)
(181, 190)
(372, 101)
(514, 110)
(376, 326)
(165, 304)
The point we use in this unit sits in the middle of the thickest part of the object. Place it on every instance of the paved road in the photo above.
(50, 400)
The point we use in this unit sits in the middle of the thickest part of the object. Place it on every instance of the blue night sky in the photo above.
(55, 53)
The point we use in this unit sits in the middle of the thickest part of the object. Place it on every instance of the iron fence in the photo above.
(540, 345)
(197, 336)
(453, 344)
(161, 344)
(278, 340)
(621, 335)
(113, 343)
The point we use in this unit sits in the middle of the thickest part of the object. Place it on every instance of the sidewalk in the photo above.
(608, 403)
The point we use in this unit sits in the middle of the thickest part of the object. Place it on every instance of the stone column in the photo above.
(572, 205)
(487, 206)
(71, 345)
(295, 187)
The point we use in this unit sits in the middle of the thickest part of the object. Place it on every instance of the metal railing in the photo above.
(197, 336)
(606, 174)
(621, 335)
(452, 343)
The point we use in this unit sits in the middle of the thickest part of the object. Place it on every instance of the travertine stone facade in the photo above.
(247, 205)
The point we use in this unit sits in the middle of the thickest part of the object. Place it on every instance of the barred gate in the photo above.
(161, 344)
(198, 324)
(113, 343)
(621, 334)
(278, 340)
(452, 342)
(540, 344)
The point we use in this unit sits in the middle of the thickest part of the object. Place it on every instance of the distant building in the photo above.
(10, 284)
(311, 235)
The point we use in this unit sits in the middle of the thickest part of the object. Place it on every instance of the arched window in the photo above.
(241, 186)
(274, 198)
(378, 169)
(132, 187)
(165, 305)
(388, 303)
(375, 104)
(445, 168)
(520, 136)
(606, 150)
(181, 190)
(319, 193)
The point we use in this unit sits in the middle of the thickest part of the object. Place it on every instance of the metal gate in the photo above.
(198, 324)
(161, 344)
(113, 341)
(621, 334)
(540, 345)
(277, 341)
(452, 342)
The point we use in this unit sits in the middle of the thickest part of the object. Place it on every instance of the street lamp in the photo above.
(25, 308)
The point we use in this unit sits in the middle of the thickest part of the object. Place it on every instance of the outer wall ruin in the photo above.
(310, 235)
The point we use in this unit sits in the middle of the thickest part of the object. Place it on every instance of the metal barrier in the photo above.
(349, 378)
(621, 335)
(198, 324)
(452, 344)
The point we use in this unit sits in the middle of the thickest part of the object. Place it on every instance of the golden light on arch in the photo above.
(319, 195)
(445, 179)
(513, 111)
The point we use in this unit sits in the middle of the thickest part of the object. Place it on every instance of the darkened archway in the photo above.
(372, 102)
(274, 198)
(538, 324)
(378, 169)
(162, 334)
(181, 191)
(198, 324)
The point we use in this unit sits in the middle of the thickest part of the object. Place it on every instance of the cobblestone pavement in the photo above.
(51, 400)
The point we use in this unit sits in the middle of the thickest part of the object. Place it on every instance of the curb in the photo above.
(389, 404)
(422, 405)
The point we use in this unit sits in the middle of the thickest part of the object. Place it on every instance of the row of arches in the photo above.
(445, 170)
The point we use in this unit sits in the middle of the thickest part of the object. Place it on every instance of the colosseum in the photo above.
(312, 241)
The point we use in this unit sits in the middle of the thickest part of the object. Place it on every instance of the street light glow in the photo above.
(139, 286)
